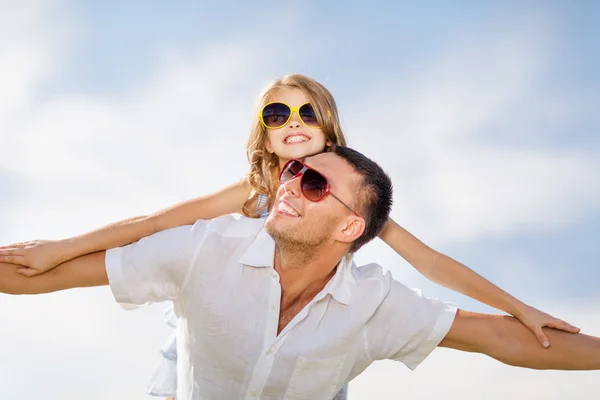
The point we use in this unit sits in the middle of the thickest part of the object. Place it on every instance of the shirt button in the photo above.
(272, 307)
(269, 352)
(253, 394)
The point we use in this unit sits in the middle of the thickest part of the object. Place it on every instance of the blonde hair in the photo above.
(264, 166)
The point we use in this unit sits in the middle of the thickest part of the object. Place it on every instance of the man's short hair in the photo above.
(373, 194)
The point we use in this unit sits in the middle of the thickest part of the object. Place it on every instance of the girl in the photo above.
(297, 118)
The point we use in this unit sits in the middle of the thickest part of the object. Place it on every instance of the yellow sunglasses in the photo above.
(276, 115)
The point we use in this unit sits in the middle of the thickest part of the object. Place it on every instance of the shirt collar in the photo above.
(341, 284)
(262, 252)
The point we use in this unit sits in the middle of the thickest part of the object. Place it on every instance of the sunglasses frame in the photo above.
(327, 187)
(292, 111)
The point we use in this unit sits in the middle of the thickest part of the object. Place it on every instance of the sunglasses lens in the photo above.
(314, 185)
(290, 170)
(275, 115)
(308, 115)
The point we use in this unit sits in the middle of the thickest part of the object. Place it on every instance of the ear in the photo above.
(352, 228)
(269, 146)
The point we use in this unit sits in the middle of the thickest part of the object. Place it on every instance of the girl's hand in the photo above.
(535, 319)
(36, 257)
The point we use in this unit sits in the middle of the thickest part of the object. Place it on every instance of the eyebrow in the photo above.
(319, 170)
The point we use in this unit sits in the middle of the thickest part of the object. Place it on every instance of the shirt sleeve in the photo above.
(407, 326)
(156, 267)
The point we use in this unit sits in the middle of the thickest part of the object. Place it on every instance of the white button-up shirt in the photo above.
(220, 276)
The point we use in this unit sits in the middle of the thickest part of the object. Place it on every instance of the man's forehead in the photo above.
(333, 167)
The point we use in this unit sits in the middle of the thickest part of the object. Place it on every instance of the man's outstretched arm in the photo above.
(507, 340)
(84, 271)
(151, 270)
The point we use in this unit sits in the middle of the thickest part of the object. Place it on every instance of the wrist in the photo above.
(384, 232)
(65, 250)
(517, 308)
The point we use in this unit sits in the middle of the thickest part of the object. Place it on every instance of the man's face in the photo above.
(295, 220)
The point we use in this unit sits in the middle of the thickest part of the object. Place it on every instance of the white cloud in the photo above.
(31, 44)
(78, 161)
(76, 345)
(453, 182)
(81, 157)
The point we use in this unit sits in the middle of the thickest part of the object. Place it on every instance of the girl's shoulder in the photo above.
(258, 200)
(262, 205)
(263, 200)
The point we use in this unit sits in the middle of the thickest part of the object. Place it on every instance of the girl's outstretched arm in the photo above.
(39, 256)
(451, 274)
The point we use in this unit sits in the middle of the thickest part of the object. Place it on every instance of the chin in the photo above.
(272, 228)
(300, 151)
(271, 223)
(278, 226)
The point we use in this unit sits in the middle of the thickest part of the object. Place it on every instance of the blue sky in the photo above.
(485, 114)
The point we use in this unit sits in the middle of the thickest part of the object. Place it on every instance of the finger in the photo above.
(562, 325)
(12, 251)
(17, 244)
(570, 328)
(541, 337)
(29, 272)
(12, 259)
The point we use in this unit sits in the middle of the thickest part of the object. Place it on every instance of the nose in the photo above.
(293, 186)
(295, 120)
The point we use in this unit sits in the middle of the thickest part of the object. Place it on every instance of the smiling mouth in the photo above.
(284, 208)
(296, 139)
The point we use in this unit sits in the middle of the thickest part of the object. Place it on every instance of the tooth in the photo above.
(295, 139)
(284, 207)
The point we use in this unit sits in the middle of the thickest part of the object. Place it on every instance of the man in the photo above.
(283, 312)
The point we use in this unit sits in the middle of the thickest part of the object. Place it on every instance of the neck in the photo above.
(302, 272)
(282, 162)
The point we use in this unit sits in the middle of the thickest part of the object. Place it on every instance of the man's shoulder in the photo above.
(232, 226)
(372, 277)
(367, 272)
(225, 238)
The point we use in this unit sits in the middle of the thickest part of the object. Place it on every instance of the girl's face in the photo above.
(294, 139)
